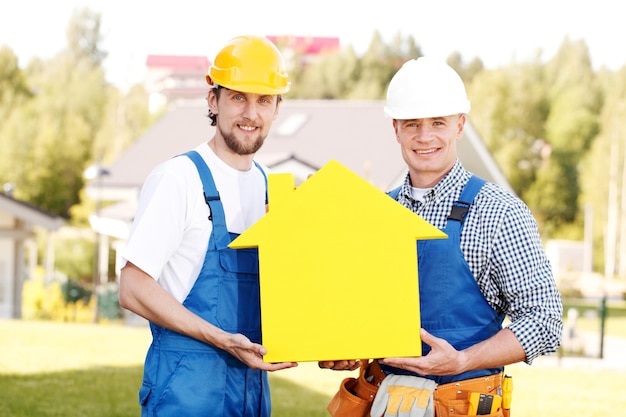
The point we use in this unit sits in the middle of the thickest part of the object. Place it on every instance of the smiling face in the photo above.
(243, 122)
(429, 146)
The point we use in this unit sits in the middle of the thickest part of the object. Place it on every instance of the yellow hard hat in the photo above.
(250, 64)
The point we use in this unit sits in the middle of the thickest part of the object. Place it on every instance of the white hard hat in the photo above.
(425, 87)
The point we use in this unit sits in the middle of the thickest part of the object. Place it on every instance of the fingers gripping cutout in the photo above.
(404, 396)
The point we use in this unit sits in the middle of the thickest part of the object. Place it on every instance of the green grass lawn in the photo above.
(73, 370)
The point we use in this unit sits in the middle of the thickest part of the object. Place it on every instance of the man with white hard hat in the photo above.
(491, 266)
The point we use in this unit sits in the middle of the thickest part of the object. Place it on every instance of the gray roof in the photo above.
(308, 132)
(31, 215)
(305, 136)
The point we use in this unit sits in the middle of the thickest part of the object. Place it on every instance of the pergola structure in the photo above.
(18, 250)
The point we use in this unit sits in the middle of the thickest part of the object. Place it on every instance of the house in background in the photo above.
(175, 80)
(18, 250)
(305, 136)
(304, 48)
(179, 80)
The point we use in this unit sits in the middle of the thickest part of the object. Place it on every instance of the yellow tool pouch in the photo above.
(453, 399)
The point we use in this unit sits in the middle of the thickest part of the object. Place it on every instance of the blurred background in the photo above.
(93, 94)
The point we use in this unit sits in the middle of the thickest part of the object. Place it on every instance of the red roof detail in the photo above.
(309, 45)
(178, 61)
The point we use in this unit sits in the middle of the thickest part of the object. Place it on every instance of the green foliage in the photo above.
(603, 166)
(551, 197)
(13, 86)
(344, 75)
(71, 118)
(51, 135)
(74, 255)
(570, 127)
(14, 92)
(329, 77)
(509, 109)
(466, 71)
(378, 65)
(42, 301)
(539, 121)
(125, 117)
(74, 292)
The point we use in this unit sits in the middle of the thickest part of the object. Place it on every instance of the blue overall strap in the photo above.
(212, 198)
(197, 159)
(462, 205)
(394, 193)
(264, 176)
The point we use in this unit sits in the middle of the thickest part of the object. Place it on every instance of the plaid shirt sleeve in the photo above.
(502, 246)
(518, 266)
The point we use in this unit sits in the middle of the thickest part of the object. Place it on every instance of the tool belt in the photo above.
(453, 399)
(355, 395)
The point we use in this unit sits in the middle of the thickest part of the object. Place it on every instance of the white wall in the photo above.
(566, 255)
(7, 255)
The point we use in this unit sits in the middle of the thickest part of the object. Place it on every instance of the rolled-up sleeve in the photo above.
(523, 273)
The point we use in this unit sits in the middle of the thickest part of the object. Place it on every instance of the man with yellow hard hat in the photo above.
(200, 297)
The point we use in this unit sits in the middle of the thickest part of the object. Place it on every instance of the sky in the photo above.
(496, 31)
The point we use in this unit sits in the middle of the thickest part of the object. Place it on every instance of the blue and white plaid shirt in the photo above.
(502, 246)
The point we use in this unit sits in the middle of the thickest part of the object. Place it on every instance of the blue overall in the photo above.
(185, 377)
(452, 307)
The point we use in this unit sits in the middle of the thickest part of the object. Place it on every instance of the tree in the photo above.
(342, 74)
(84, 37)
(332, 76)
(509, 108)
(379, 63)
(466, 71)
(54, 132)
(125, 117)
(13, 86)
(603, 178)
(571, 125)
(14, 92)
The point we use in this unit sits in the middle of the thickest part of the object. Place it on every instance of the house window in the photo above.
(292, 124)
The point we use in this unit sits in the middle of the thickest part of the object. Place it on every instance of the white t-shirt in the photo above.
(418, 194)
(170, 233)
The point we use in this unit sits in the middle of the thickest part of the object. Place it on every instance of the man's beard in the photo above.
(241, 148)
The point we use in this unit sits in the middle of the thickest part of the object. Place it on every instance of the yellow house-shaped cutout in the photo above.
(338, 269)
